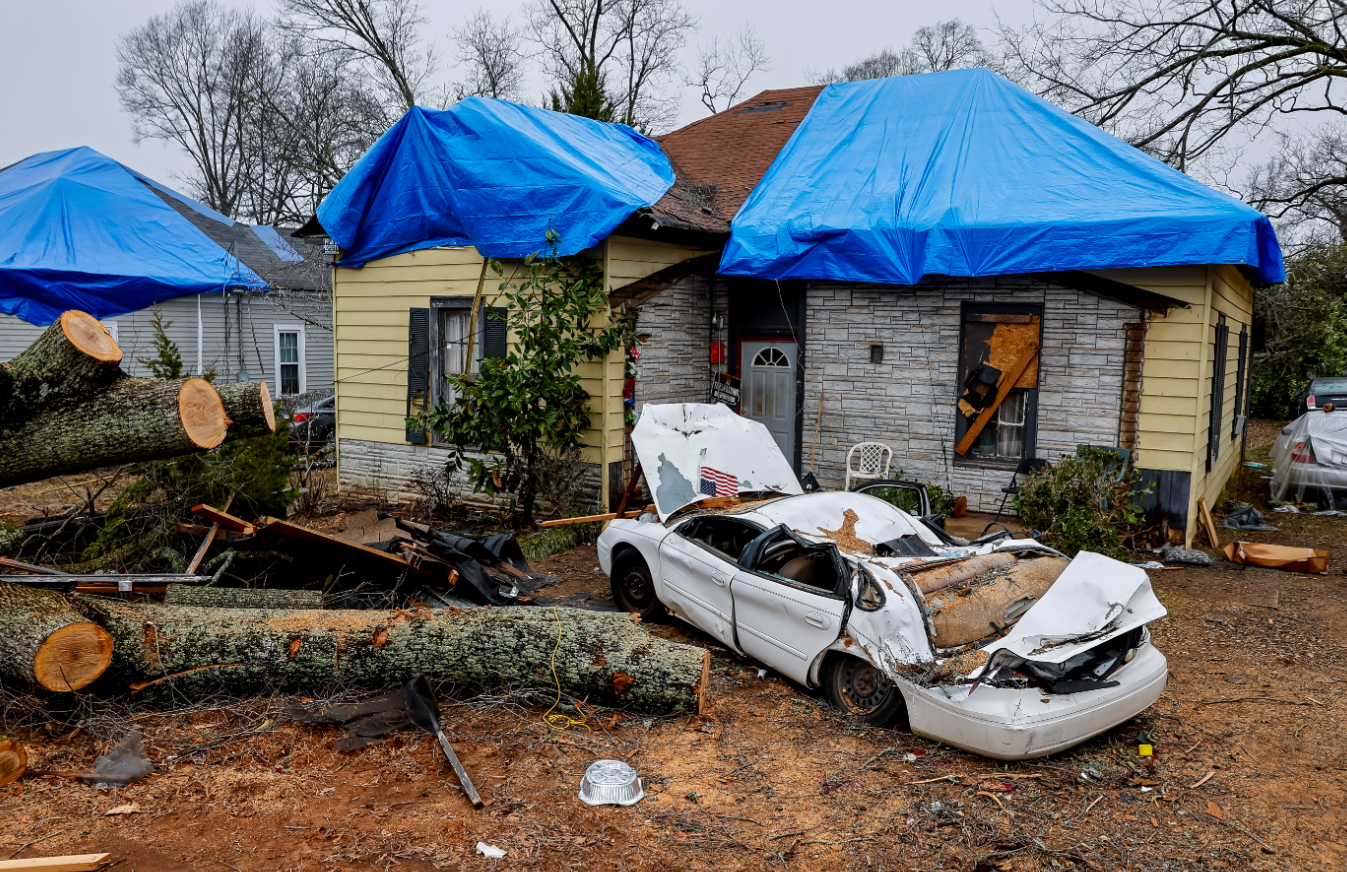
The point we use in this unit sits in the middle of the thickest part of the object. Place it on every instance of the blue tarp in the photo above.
(963, 173)
(496, 175)
(80, 231)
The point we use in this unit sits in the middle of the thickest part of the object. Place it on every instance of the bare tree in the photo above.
(382, 36)
(187, 77)
(1180, 78)
(947, 45)
(494, 56)
(724, 68)
(1302, 185)
(629, 47)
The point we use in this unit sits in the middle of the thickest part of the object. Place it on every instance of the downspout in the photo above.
(200, 354)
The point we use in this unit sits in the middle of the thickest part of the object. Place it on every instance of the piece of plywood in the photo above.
(1008, 345)
(66, 863)
(1009, 380)
(224, 519)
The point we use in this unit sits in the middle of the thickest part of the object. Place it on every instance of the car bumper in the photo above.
(1313, 475)
(1008, 724)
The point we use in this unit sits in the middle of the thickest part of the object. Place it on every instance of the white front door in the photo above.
(768, 382)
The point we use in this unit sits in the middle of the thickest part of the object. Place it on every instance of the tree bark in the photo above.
(44, 641)
(242, 597)
(605, 658)
(134, 419)
(74, 358)
(249, 408)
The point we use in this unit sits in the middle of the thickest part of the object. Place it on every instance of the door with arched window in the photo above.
(767, 373)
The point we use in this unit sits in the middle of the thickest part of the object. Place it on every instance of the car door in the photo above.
(698, 561)
(781, 617)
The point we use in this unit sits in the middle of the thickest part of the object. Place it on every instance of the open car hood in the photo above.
(1095, 599)
(693, 450)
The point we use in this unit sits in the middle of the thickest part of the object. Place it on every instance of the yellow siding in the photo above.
(370, 314)
(1176, 375)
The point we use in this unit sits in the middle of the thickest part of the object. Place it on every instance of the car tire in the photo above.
(634, 586)
(856, 688)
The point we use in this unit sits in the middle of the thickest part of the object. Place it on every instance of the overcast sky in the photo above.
(59, 64)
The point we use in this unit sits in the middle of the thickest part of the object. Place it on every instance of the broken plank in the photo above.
(1007, 382)
(113, 581)
(313, 537)
(224, 519)
(211, 533)
(28, 567)
(1208, 523)
(609, 516)
(66, 863)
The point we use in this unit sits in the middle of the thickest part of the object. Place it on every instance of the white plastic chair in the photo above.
(873, 462)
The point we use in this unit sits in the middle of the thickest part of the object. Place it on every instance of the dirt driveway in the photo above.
(1247, 772)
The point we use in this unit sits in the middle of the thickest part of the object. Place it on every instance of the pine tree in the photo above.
(167, 361)
(585, 96)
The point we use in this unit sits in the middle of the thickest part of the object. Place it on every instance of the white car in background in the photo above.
(1002, 647)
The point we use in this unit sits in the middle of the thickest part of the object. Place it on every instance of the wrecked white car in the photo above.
(1002, 647)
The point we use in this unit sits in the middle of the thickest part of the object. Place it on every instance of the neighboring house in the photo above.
(281, 335)
(1153, 359)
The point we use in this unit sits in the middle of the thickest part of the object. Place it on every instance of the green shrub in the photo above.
(1078, 505)
(10, 538)
(555, 540)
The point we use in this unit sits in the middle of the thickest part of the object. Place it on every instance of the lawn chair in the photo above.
(873, 462)
(1027, 466)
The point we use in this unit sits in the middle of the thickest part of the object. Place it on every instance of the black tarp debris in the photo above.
(1245, 519)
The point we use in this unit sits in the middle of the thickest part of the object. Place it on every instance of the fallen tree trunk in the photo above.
(44, 641)
(74, 358)
(134, 419)
(249, 407)
(242, 597)
(605, 658)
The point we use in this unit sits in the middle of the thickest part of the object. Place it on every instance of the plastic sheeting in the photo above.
(964, 173)
(1309, 460)
(496, 175)
(80, 231)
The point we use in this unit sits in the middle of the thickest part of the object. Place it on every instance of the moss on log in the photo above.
(249, 408)
(606, 658)
(241, 597)
(134, 419)
(72, 359)
(45, 641)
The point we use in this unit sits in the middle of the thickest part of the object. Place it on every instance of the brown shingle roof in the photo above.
(718, 160)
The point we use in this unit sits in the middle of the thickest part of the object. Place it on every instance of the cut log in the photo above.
(134, 419)
(13, 762)
(74, 358)
(242, 597)
(605, 658)
(249, 408)
(44, 641)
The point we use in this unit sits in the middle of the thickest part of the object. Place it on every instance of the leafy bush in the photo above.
(10, 538)
(1078, 505)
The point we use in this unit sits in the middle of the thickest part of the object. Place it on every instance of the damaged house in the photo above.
(850, 258)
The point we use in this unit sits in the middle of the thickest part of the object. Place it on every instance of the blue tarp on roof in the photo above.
(80, 231)
(963, 173)
(496, 175)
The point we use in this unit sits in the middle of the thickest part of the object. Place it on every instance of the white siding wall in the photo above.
(254, 352)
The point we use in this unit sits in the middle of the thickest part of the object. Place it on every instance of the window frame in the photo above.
(438, 306)
(1030, 449)
(277, 330)
(695, 527)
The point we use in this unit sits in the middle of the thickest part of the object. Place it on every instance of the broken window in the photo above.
(1001, 340)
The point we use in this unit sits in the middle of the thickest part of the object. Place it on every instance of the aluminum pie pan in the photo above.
(610, 782)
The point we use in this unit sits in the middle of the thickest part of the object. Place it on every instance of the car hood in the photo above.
(693, 450)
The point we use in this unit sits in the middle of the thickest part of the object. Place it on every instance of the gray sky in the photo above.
(59, 63)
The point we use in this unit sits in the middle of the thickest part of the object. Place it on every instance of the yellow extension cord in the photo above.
(561, 721)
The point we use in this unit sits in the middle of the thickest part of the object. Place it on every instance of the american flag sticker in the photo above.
(718, 484)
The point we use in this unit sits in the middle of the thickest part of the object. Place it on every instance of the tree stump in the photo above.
(134, 419)
(249, 408)
(74, 358)
(44, 641)
(606, 658)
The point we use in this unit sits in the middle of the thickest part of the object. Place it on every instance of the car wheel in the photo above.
(859, 689)
(633, 586)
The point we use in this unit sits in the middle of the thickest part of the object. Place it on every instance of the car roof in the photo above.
(829, 515)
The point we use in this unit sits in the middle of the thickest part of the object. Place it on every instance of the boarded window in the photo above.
(1002, 337)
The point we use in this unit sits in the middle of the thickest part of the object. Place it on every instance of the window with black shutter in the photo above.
(1218, 363)
(495, 339)
(418, 369)
(1240, 373)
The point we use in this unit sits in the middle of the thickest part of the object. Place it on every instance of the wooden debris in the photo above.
(13, 761)
(589, 519)
(66, 863)
(1208, 523)
(224, 519)
(210, 534)
(1008, 381)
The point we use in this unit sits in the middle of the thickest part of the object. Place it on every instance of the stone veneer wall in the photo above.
(675, 362)
(908, 401)
(387, 471)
